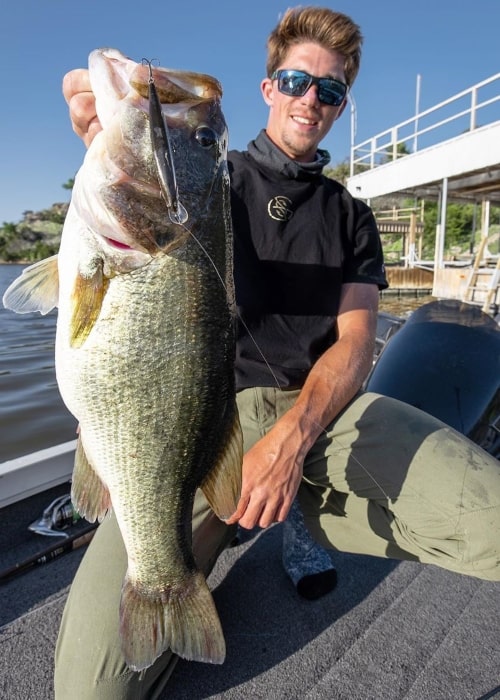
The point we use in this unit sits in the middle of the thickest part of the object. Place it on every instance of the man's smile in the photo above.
(304, 120)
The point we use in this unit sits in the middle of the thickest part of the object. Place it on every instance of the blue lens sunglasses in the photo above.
(297, 82)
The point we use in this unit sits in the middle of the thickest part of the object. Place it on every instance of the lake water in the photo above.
(32, 414)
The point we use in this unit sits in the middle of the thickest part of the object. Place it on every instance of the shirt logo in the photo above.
(279, 208)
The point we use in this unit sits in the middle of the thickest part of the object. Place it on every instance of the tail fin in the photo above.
(185, 621)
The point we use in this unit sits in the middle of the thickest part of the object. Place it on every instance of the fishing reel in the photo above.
(59, 515)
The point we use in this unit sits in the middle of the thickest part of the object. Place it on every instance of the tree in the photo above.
(401, 150)
(459, 224)
(8, 229)
(339, 172)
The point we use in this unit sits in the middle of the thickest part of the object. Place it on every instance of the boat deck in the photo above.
(390, 630)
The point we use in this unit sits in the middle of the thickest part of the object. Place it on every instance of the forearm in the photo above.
(332, 382)
(339, 373)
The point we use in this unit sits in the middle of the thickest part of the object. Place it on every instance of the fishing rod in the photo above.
(70, 543)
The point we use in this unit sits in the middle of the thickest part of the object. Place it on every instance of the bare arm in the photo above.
(272, 468)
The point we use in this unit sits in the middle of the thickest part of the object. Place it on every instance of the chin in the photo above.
(300, 149)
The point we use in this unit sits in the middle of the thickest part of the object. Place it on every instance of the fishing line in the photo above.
(240, 318)
(318, 425)
(162, 150)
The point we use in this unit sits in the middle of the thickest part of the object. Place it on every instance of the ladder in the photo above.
(483, 281)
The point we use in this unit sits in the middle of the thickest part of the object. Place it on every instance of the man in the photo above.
(373, 475)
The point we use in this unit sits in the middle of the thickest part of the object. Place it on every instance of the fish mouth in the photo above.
(174, 86)
(165, 86)
(148, 113)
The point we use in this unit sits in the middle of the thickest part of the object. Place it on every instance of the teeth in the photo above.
(303, 120)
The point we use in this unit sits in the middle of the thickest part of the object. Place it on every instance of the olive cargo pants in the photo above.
(384, 479)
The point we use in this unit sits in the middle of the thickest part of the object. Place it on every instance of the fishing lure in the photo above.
(163, 154)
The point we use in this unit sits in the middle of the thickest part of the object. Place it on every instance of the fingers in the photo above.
(78, 94)
(238, 513)
(74, 82)
(252, 512)
(271, 474)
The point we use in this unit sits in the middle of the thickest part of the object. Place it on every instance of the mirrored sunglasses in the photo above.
(296, 83)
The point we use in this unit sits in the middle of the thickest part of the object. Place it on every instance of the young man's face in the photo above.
(297, 124)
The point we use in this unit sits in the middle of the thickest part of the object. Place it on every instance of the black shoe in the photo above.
(314, 586)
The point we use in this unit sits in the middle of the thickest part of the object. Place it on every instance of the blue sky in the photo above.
(451, 45)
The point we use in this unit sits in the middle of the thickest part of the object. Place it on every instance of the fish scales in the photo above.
(151, 388)
(145, 344)
(172, 373)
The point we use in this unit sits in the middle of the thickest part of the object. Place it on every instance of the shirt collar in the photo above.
(264, 151)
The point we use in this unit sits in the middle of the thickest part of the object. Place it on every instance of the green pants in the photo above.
(384, 479)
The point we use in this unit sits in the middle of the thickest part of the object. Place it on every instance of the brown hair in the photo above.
(333, 31)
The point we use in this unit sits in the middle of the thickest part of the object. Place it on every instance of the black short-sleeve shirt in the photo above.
(296, 241)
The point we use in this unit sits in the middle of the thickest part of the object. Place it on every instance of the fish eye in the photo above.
(205, 136)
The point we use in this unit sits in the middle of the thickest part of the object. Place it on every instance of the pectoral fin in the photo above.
(36, 289)
(86, 300)
(222, 486)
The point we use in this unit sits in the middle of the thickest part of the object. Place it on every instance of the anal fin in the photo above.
(222, 486)
(88, 493)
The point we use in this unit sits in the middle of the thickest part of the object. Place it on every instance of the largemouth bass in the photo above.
(145, 345)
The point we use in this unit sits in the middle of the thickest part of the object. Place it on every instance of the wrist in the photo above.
(302, 427)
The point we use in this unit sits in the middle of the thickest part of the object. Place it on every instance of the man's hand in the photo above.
(81, 101)
(272, 470)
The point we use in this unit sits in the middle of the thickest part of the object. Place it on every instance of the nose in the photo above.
(311, 96)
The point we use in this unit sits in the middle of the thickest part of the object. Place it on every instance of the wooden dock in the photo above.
(478, 284)
(414, 280)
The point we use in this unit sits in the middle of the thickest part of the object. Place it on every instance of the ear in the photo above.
(266, 88)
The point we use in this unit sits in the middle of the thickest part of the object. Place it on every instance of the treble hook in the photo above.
(163, 153)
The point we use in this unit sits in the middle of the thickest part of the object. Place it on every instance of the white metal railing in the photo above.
(448, 119)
